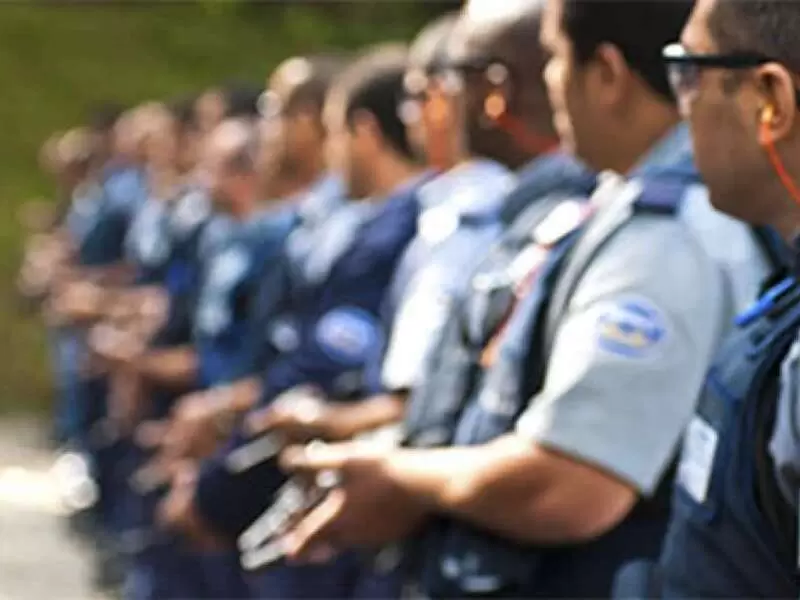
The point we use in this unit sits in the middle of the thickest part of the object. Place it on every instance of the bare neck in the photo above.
(649, 123)
(390, 173)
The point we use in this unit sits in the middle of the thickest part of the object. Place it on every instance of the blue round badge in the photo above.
(631, 328)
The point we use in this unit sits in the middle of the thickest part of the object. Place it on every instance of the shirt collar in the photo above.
(314, 200)
(474, 187)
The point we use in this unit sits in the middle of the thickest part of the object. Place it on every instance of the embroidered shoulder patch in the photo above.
(631, 327)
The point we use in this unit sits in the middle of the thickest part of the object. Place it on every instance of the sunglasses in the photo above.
(684, 68)
(450, 75)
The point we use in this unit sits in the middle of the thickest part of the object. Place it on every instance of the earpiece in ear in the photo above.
(495, 105)
(764, 133)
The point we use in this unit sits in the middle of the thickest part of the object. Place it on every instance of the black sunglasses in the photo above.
(683, 67)
(450, 75)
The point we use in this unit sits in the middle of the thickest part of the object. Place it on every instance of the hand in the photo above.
(300, 414)
(76, 301)
(118, 347)
(177, 511)
(368, 507)
(199, 423)
(153, 308)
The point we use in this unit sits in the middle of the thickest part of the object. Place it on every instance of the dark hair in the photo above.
(182, 110)
(311, 92)
(640, 29)
(430, 45)
(374, 83)
(103, 118)
(768, 27)
(242, 100)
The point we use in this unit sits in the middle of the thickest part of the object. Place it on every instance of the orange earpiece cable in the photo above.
(495, 108)
(772, 153)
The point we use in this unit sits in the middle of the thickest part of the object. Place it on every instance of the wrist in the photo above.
(397, 466)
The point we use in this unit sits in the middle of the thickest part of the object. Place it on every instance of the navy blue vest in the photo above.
(226, 348)
(471, 405)
(182, 276)
(732, 535)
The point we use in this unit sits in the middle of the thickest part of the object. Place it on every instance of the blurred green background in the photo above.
(59, 60)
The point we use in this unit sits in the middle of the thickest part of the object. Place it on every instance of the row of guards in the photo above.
(510, 312)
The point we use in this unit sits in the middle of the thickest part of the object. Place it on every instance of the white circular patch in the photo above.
(348, 335)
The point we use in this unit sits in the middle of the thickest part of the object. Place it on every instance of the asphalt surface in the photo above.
(39, 560)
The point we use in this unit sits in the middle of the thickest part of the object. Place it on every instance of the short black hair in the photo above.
(242, 100)
(429, 47)
(104, 117)
(767, 27)
(182, 110)
(639, 28)
(312, 91)
(374, 83)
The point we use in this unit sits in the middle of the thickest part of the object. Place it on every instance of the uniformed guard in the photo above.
(289, 163)
(462, 214)
(733, 531)
(161, 568)
(337, 311)
(566, 374)
(98, 221)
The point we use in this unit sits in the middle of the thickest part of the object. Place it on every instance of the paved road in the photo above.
(38, 561)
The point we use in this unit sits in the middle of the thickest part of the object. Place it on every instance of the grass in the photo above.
(58, 61)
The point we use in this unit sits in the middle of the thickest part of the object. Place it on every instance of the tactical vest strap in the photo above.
(660, 196)
(778, 253)
(656, 197)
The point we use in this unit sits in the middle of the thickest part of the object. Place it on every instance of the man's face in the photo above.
(189, 143)
(210, 110)
(290, 132)
(162, 143)
(350, 149)
(435, 122)
(216, 176)
(343, 153)
(723, 111)
(579, 121)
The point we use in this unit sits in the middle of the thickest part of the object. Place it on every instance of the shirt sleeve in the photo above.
(418, 324)
(785, 443)
(334, 349)
(427, 303)
(629, 357)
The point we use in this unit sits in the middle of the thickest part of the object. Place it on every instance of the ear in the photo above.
(611, 76)
(365, 128)
(309, 118)
(778, 110)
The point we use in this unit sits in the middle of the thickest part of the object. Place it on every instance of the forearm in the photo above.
(169, 367)
(116, 274)
(515, 489)
(359, 417)
(242, 395)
